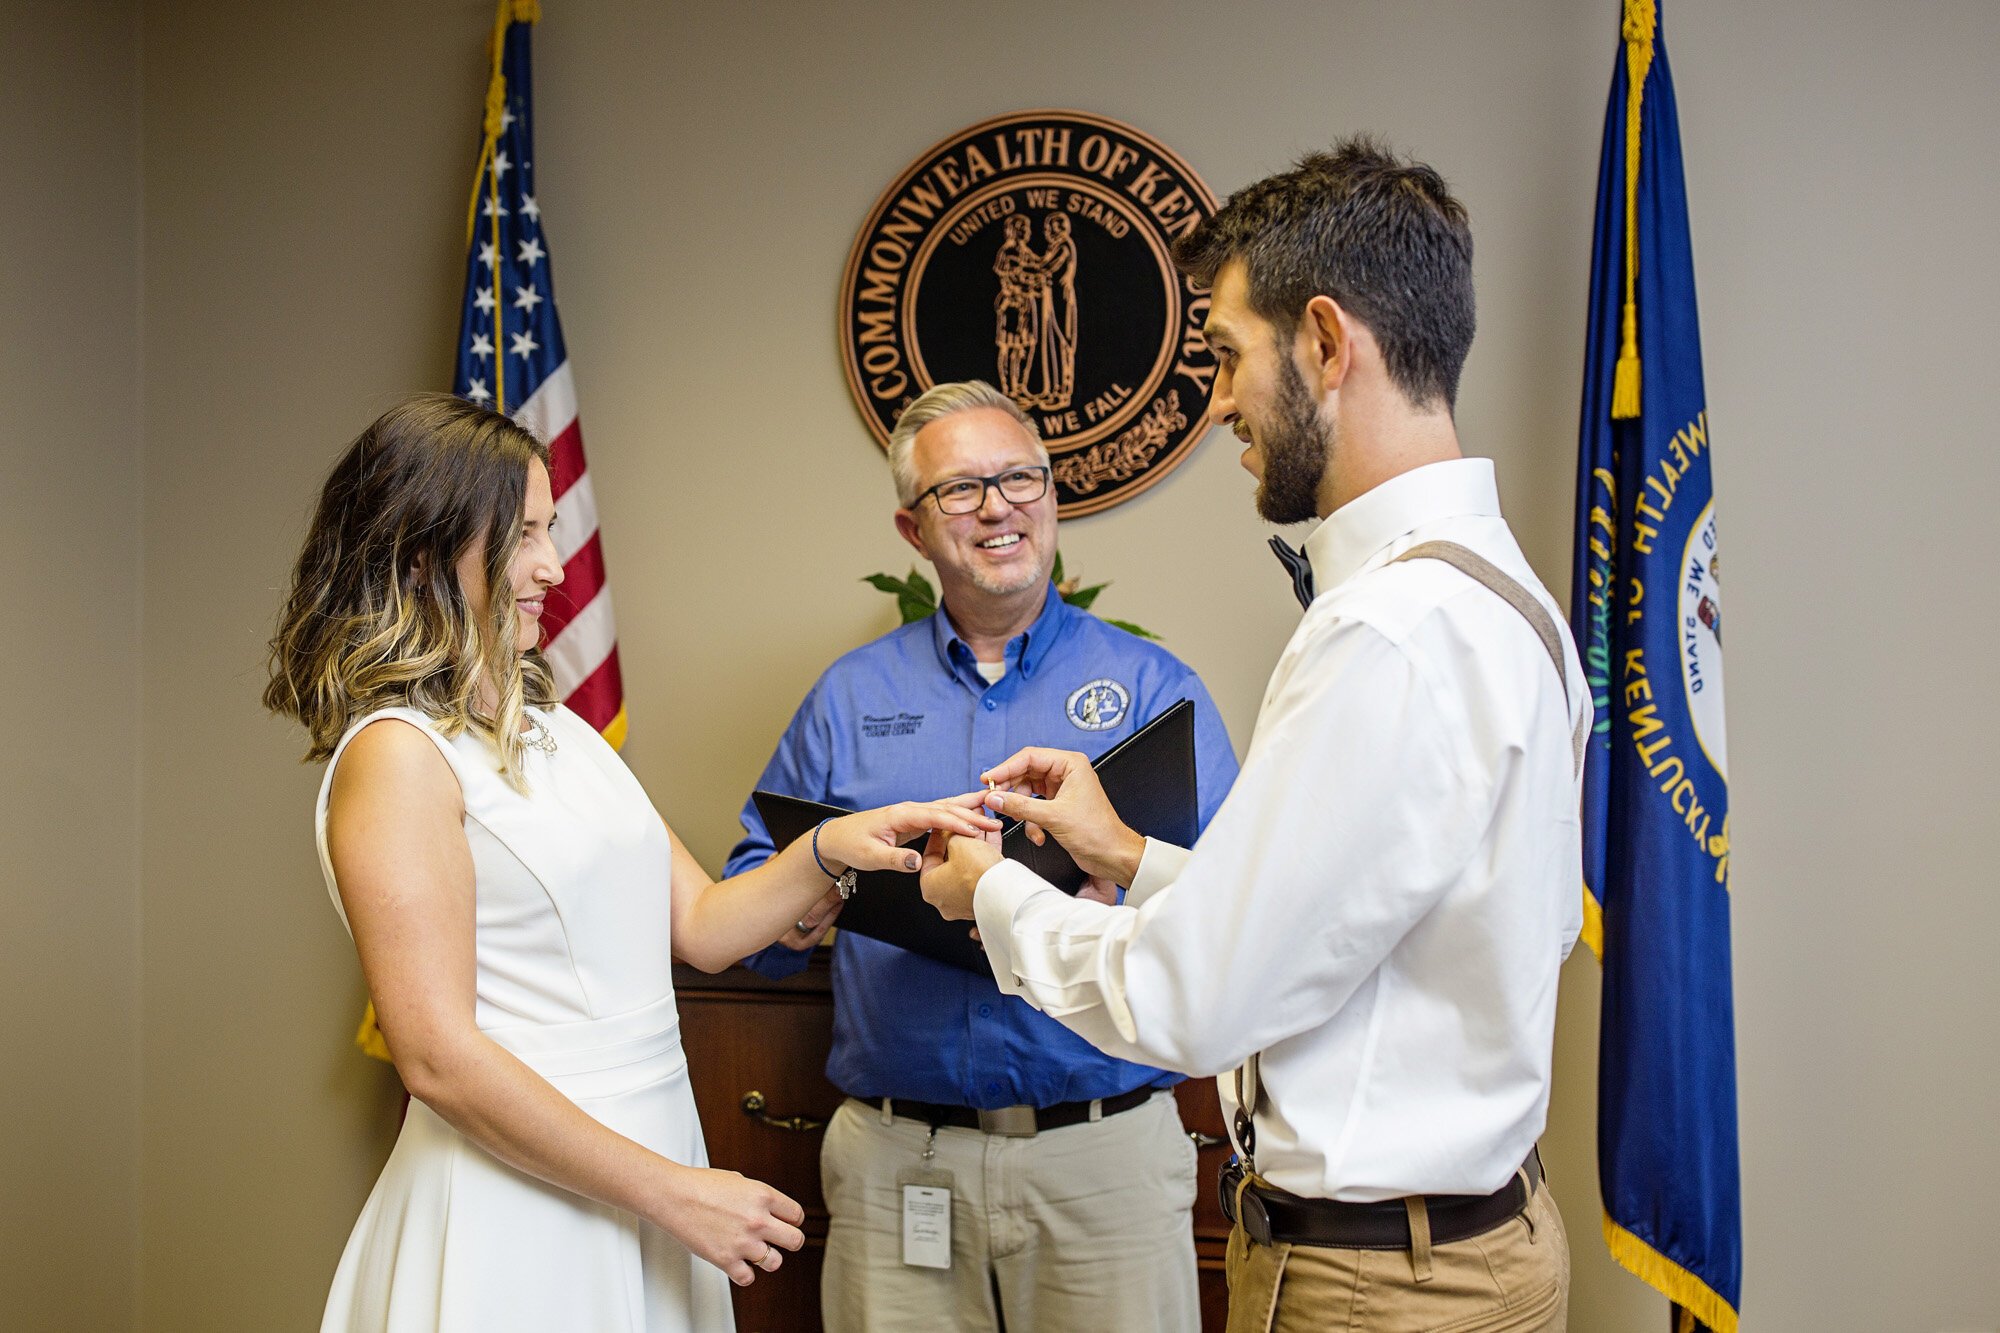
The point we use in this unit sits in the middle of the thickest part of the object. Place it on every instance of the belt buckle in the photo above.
(1010, 1122)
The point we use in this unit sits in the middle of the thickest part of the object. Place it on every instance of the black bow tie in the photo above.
(1298, 567)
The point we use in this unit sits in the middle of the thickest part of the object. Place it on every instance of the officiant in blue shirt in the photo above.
(1071, 1176)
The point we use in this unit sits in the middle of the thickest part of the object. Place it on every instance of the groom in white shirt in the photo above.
(1369, 931)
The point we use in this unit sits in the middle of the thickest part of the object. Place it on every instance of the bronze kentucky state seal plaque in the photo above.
(1032, 251)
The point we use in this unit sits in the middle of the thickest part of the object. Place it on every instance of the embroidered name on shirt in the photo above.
(890, 724)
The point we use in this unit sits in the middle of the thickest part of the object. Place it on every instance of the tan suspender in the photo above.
(1503, 585)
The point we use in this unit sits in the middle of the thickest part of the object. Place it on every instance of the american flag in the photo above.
(511, 358)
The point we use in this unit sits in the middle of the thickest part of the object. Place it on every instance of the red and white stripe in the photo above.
(579, 637)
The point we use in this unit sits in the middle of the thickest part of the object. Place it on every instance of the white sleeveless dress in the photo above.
(574, 977)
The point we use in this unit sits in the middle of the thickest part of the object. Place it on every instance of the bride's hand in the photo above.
(873, 839)
(740, 1225)
(812, 927)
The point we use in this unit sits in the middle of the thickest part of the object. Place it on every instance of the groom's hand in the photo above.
(1058, 792)
(952, 867)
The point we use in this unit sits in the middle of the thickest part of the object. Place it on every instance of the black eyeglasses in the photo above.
(967, 495)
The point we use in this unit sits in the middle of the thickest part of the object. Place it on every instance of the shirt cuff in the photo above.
(1160, 865)
(995, 900)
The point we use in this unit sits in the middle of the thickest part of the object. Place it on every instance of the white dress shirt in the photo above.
(1383, 903)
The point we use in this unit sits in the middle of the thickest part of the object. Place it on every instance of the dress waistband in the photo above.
(601, 1057)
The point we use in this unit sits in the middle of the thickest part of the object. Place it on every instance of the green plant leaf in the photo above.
(915, 598)
(1083, 597)
(1131, 628)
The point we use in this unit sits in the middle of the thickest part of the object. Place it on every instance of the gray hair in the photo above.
(936, 403)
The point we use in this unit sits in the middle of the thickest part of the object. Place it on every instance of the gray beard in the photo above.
(1296, 446)
(1008, 588)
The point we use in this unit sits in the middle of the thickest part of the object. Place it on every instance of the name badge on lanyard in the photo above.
(926, 1211)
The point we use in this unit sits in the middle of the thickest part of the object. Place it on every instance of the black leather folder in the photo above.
(1149, 776)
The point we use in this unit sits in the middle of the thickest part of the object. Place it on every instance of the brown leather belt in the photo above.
(1015, 1121)
(1274, 1217)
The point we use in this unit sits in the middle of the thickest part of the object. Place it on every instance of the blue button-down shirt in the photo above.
(908, 717)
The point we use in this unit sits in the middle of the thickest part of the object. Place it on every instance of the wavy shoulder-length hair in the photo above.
(376, 616)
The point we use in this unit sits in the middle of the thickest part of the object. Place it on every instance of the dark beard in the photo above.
(1295, 449)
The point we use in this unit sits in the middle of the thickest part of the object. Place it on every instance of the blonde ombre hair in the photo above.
(936, 403)
(376, 617)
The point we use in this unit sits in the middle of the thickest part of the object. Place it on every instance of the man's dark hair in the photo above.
(1379, 234)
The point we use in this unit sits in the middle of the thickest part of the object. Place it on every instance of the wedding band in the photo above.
(804, 929)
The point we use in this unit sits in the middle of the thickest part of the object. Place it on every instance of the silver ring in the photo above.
(804, 929)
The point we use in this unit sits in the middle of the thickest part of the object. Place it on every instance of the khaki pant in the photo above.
(1512, 1279)
(1084, 1227)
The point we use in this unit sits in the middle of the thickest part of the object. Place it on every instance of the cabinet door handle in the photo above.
(753, 1106)
(1202, 1140)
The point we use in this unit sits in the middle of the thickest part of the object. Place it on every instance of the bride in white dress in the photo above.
(516, 902)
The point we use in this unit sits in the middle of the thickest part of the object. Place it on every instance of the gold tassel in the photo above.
(1625, 379)
(1640, 21)
(510, 12)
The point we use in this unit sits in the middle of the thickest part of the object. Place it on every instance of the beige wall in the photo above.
(301, 243)
(69, 565)
(702, 170)
(1845, 194)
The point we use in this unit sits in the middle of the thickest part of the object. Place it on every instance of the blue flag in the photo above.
(1647, 610)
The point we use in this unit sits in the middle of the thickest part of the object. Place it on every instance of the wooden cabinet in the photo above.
(745, 1035)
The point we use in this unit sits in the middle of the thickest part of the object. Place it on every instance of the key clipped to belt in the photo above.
(926, 1210)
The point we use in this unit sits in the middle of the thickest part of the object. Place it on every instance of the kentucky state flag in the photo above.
(1647, 609)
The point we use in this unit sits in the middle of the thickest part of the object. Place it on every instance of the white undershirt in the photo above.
(992, 671)
(1382, 904)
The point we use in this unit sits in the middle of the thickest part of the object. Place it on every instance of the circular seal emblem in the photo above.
(1098, 706)
(1701, 638)
(1032, 251)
